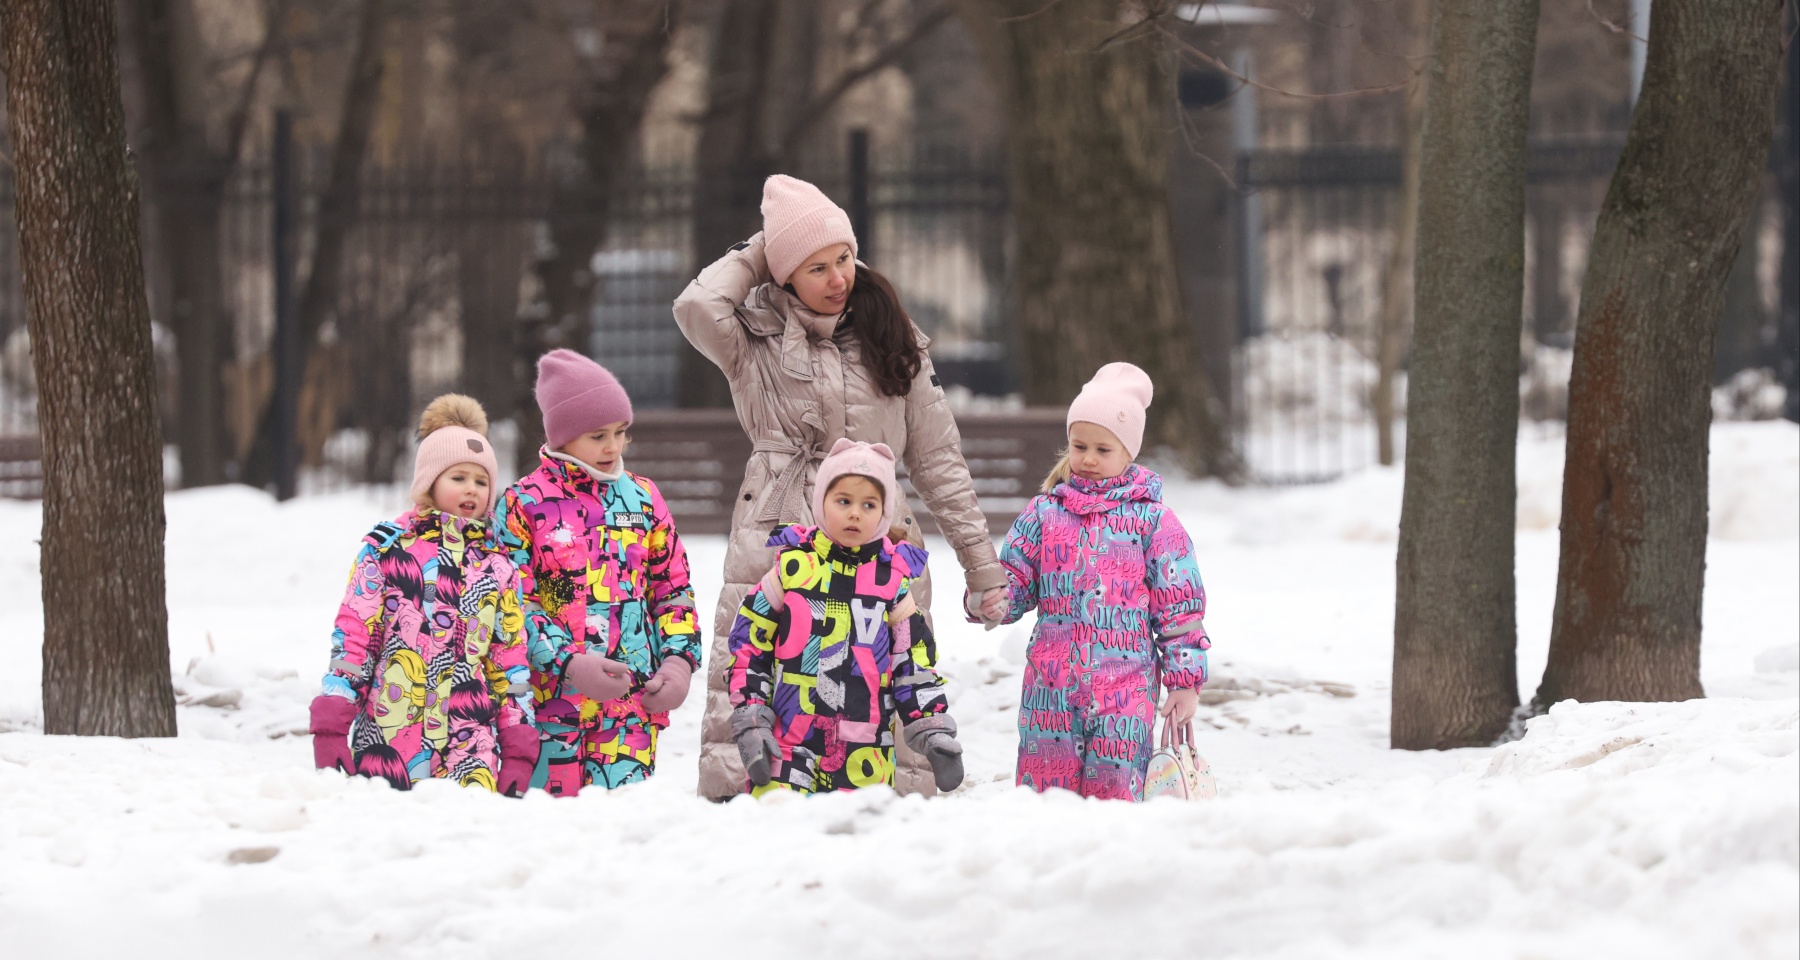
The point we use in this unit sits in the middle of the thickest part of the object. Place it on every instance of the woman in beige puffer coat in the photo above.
(801, 379)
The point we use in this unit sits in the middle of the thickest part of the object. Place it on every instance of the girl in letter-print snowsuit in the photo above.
(1111, 572)
(832, 642)
(428, 648)
(602, 570)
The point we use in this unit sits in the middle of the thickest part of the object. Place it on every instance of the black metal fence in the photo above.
(440, 269)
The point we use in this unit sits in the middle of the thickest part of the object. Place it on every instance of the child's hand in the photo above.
(669, 687)
(1180, 707)
(597, 677)
(994, 604)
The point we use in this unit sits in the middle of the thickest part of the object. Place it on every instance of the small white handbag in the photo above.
(1177, 769)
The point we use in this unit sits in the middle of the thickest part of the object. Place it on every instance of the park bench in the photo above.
(697, 459)
(21, 467)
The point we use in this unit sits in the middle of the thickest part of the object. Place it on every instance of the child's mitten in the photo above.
(935, 737)
(753, 727)
(597, 677)
(669, 687)
(518, 759)
(330, 726)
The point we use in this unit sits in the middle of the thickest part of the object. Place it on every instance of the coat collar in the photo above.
(1137, 483)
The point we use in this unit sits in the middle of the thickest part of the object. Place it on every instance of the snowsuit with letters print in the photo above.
(833, 643)
(1112, 574)
(601, 570)
(429, 646)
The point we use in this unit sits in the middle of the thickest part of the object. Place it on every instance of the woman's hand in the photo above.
(1179, 708)
(994, 604)
(757, 256)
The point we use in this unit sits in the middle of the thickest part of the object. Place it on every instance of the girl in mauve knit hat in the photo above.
(428, 676)
(609, 614)
(1112, 574)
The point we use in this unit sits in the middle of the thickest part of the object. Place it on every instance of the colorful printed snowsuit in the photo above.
(601, 570)
(429, 647)
(824, 656)
(1112, 573)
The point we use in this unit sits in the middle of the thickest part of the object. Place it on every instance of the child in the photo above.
(830, 645)
(609, 615)
(1119, 601)
(428, 677)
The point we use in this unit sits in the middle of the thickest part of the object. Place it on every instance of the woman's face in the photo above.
(1094, 453)
(823, 280)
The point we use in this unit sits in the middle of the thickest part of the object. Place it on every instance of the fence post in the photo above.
(859, 195)
(285, 348)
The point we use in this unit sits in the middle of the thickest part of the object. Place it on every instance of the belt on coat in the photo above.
(783, 501)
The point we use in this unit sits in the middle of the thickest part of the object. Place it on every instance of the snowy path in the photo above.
(1669, 830)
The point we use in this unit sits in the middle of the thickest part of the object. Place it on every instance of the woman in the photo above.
(817, 349)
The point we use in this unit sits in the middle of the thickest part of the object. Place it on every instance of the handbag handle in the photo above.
(1174, 736)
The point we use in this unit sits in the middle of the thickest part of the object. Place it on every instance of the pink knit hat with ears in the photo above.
(577, 396)
(1116, 399)
(850, 458)
(799, 221)
(453, 430)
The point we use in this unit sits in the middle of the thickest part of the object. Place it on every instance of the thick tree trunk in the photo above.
(1455, 678)
(1787, 171)
(1628, 591)
(106, 647)
(1096, 278)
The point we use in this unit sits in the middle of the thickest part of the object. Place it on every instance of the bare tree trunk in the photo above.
(336, 215)
(1455, 677)
(1787, 171)
(1396, 283)
(732, 160)
(106, 646)
(1087, 126)
(1633, 563)
(610, 106)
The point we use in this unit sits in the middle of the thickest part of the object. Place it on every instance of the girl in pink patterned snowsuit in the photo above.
(428, 675)
(1111, 572)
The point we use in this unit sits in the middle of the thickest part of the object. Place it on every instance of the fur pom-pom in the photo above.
(453, 410)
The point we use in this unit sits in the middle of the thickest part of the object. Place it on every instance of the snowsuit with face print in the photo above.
(601, 570)
(1112, 574)
(429, 645)
(833, 643)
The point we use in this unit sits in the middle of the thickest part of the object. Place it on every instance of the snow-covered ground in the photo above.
(1641, 830)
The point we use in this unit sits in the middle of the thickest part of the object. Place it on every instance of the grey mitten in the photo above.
(597, 677)
(935, 737)
(753, 727)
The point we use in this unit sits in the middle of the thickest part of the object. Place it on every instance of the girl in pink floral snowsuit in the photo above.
(428, 676)
(1111, 572)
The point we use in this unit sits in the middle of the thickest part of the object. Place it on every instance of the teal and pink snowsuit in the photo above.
(1111, 572)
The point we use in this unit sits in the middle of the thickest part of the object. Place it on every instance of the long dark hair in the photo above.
(889, 350)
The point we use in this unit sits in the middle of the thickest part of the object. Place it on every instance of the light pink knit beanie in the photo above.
(855, 458)
(1116, 399)
(799, 221)
(453, 430)
(577, 396)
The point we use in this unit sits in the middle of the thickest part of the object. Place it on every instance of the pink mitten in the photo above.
(597, 677)
(518, 759)
(330, 726)
(669, 687)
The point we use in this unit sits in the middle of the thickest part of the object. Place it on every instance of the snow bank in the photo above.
(1663, 830)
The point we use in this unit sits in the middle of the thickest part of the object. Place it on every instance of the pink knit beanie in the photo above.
(1116, 399)
(799, 221)
(855, 458)
(577, 396)
(453, 430)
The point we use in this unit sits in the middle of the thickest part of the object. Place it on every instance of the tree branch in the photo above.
(884, 58)
(239, 122)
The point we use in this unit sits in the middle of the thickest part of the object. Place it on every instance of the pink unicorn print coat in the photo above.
(1112, 574)
(429, 648)
(601, 570)
(832, 641)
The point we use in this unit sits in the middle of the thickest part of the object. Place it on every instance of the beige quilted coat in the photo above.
(797, 390)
